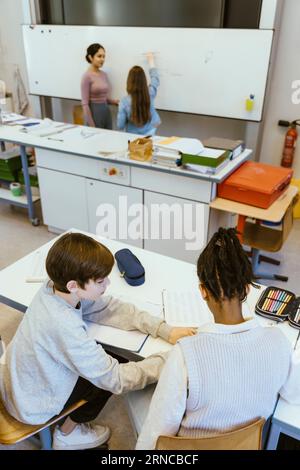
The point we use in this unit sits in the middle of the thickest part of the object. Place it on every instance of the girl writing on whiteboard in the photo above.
(231, 372)
(137, 113)
(95, 90)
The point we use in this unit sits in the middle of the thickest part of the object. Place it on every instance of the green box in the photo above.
(8, 175)
(10, 164)
(33, 179)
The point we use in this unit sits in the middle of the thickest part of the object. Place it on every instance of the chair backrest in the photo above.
(267, 238)
(247, 438)
(78, 115)
(288, 219)
(10, 318)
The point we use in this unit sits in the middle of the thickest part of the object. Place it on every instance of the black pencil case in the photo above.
(277, 304)
(294, 315)
(130, 267)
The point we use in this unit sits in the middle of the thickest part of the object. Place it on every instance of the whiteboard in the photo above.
(202, 71)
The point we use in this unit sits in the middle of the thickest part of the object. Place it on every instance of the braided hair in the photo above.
(223, 267)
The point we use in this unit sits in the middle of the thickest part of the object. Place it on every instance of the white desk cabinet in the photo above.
(63, 200)
(112, 209)
(76, 189)
(178, 224)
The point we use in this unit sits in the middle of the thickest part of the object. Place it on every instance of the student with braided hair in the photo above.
(231, 372)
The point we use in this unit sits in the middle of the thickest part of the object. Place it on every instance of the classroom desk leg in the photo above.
(31, 211)
(273, 437)
(46, 439)
(261, 274)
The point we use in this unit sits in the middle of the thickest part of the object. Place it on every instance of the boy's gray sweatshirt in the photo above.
(51, 349)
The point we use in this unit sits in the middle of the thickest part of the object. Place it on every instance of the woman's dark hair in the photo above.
(92, 50)
(224, 268)
(137, 88)
(77, 257)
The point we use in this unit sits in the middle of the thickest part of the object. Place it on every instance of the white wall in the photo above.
(286, 70)
(11, 44)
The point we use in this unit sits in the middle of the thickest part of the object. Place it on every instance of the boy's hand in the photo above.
(179, 332)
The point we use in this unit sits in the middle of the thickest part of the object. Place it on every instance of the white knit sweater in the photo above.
(219, 380)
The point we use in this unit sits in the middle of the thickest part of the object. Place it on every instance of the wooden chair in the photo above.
(11, 430)
(247, 438)
(78, 115)
(261, 237)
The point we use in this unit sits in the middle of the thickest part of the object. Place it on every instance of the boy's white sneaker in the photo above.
(83, 436)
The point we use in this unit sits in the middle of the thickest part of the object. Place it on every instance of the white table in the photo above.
(286, 420)
(161, 273)
(73, 142)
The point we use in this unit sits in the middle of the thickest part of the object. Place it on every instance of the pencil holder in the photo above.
(130, 267)
(275, 303)
(294, 315)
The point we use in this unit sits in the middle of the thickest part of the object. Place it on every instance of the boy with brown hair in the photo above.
(52, 362)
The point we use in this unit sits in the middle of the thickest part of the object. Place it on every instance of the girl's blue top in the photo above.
(124, 113)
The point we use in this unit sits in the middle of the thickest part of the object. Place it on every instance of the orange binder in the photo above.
(256, 184)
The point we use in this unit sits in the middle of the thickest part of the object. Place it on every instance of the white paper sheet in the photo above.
(185, 308)
(38, 271)
(131, 340)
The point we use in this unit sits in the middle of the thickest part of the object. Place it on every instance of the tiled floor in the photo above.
(18, 237)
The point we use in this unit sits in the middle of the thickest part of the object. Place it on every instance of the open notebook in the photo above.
(107, 335)
(187, 308)
(131, 340)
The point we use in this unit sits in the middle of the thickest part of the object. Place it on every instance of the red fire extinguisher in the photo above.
(289, 145)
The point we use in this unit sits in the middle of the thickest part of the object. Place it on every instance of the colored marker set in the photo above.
(277, 304)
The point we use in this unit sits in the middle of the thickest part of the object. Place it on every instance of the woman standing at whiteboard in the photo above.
(137, 113)
(95, 90)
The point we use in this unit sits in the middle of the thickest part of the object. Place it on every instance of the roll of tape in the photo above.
(16, 189)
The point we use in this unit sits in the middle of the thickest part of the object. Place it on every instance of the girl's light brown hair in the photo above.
(137, 88)
(77, 257)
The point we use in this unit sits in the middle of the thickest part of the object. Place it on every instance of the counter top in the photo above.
(105, 145)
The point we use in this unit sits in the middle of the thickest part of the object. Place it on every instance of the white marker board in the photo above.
(202, 71)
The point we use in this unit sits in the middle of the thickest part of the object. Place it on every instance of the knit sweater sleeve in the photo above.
(168, 403)
(77, 352)
(154, 82)
(112, 312)
(122, 117)
(85, 99)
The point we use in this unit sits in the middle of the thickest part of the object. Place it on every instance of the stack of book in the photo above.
(208, 161)
(235, 147)
(168, 152)
(166, 159)
(190, 154)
